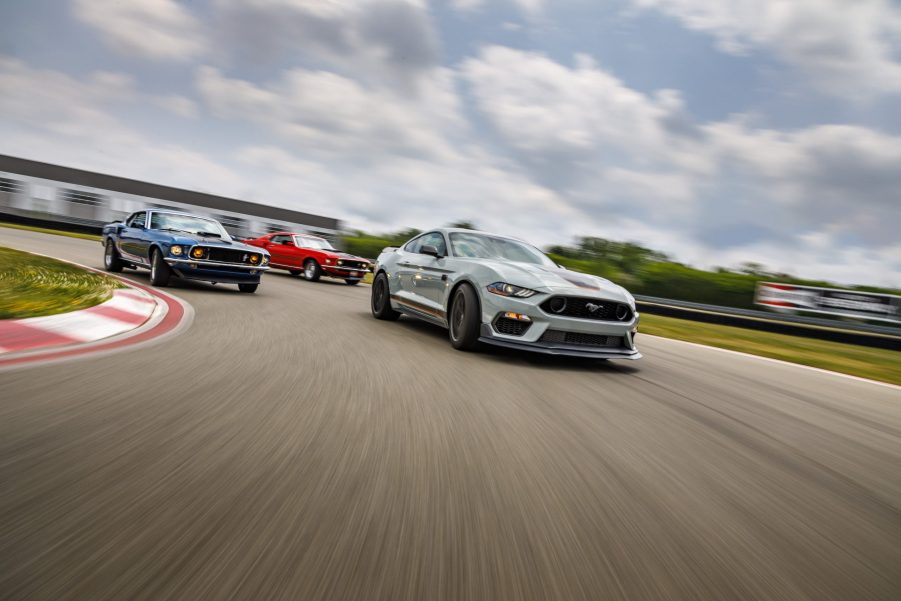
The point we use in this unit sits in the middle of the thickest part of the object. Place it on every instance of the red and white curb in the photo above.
(137, 314)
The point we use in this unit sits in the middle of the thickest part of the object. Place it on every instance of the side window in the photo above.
(433, 239)
(413, 245)
(138, 220)
(301, 242)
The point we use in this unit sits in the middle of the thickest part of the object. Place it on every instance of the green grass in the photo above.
(44, 230)
(33, 286)
(876, 364)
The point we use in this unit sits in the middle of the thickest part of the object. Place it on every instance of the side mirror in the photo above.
(428, 249)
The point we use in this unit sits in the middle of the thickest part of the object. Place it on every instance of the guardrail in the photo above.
(811, 327)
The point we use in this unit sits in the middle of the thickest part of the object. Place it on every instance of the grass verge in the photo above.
(875, 364)
(33, 286)
(44, 230)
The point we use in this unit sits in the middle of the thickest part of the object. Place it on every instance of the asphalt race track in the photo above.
(289, 446)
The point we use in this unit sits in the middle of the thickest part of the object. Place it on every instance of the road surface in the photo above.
(289, 446)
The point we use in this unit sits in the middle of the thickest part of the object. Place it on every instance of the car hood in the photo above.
(343, 255)
(215, 243)
(554, 280)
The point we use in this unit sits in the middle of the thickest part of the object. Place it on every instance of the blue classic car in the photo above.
(184, 246)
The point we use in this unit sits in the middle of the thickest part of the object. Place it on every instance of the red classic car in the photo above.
(311, 256)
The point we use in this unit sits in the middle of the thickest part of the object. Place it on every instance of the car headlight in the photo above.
(254, 259)
(197, 252)
(340, 262)
(329, 261)
(504, 289)
(176, 250)
(265, 260)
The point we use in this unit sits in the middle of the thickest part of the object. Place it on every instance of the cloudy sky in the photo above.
(716, 130)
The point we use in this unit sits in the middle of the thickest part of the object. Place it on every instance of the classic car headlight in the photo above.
(329, 261)
(340, 262)
(254, 259)
(197, 252)
(176, 250)
(504, 289)
(265, 260)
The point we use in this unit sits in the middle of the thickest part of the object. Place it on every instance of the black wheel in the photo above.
(159, 271)
(295, 272)
(248, 288)
(381, 299)
(352, 282)
(311, 270)
(464, 319)
(111, 260)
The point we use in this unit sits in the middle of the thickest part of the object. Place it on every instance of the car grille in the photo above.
(227, 255)
(354, 264)
(586, 308)
(580, 339)
(511, 327)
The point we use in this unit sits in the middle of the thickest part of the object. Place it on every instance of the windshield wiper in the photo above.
(172, 229)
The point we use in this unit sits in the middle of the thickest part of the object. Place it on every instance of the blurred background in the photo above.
(760, 136)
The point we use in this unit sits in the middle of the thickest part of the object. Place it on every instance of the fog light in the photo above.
(517, 316)
(197, 253)
(176, 250)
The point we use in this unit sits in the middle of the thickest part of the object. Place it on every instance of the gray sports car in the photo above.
(498, 290)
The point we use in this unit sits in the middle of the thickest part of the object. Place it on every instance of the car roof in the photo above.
(459, 230)
(296, 234)
(182, 213)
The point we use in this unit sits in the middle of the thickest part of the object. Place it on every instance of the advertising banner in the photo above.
(830, 301)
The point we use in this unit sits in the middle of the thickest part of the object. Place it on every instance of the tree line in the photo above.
(639, 269)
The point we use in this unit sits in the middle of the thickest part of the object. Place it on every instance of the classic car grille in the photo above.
(581, 308)
(580, 339)
(354, 264)
(511, 327)
(227, 255)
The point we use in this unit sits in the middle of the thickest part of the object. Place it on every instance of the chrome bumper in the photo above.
(214, 264)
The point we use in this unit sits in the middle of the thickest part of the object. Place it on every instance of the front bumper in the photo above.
(533, 338)
(214, 271)
(344, 272)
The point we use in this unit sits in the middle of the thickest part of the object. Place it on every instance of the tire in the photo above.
(464, 319)
(380, 301)
(311, 270)
(248, 288)
(352, 282)
(159, 271)
(111, 260)
(296, 272)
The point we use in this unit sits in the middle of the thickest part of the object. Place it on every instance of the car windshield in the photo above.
(316, 243)
(483, 246)
(188, 224)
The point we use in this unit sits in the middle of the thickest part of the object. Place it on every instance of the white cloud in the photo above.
(372, 40)
(155, 29)
(178, 105)
(52, 117)
(623, 157)
(531, 8)
(335, 116)
(848, 48)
